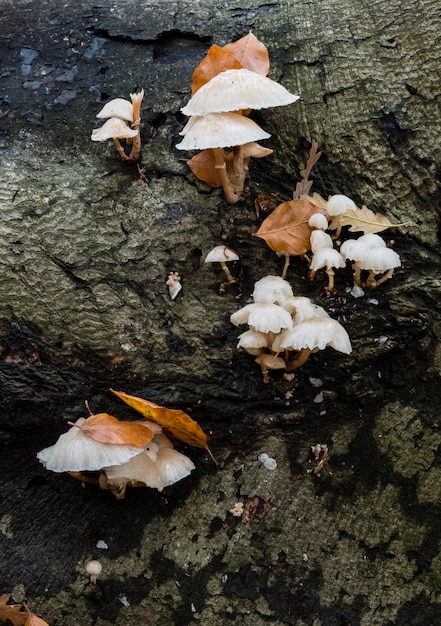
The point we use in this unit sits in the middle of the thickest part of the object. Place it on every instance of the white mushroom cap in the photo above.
(234, 90)
(252, 340)
(380, 260)
(272, 289)
(140, 468)
(263, 316)
(354, 249)
(94, 569)
(318, 220)
(76, 452)
(372, 240)
(327, 257)
(221, 253)
(301, 309)
(173, 466)
(221, 130)
(117, 108)
(114, 128)
(319, 239)
(315, 334)
(339, 204)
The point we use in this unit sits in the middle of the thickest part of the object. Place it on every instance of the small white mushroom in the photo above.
(273, 289)
(313, 335)
(263, 316)
(94, 569)
(253, 341)
(118, 107)
(114, 128)
(223, 254)
(338, 205)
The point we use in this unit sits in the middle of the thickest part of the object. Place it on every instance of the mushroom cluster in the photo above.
(123, 122)
(285, 329)
(218, 120)
(153, 463)
(369, 252)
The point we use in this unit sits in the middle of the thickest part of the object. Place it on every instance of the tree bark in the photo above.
(86, 250)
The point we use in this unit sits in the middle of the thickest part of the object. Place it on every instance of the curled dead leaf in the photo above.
(105, 428)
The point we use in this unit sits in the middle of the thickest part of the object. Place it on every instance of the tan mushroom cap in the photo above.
(114, 128)
(234, 90)
(117, 108)
(221, 130)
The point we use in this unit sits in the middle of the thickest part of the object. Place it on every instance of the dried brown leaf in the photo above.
(251, 53)
(216, 61)
(286, 229)
(304, 186)
(364, 220)
(203, 167)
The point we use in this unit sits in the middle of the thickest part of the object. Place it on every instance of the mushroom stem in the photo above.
(266, 378)
(300, 359)
(120, 149)
(238, 177)
(221, 167)
(230, 277)
(285, 267)
(136, 145)
(330, 286)
(372, 283)
(357, 274)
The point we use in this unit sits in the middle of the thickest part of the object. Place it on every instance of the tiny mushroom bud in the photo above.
(223, 254)
(94, 569)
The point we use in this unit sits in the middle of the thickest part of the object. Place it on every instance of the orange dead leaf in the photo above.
(177, 423)
(251, 53)
(203, 167)
(107, 429)
(216, 61)
(286, 229)
(18, 614)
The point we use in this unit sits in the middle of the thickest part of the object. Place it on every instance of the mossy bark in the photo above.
(86, 251)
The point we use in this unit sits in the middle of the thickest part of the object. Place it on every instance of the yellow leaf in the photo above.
(286, 229)
(364, 220)
(107, 429)
(177, 423)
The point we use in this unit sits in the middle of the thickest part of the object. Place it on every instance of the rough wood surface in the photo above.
(85, 252)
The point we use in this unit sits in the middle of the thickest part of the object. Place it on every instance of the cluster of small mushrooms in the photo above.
(368, 253)
(156, 464)
(285, 329)
(123, 122)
